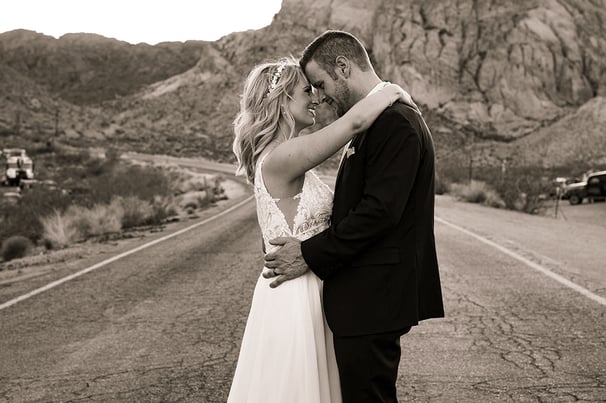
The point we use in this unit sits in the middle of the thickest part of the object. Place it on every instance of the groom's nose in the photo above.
(320, 96)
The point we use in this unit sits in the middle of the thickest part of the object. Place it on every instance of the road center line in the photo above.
(120, 256)
(562, 280)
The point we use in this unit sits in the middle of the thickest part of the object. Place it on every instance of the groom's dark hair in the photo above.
(330, 44)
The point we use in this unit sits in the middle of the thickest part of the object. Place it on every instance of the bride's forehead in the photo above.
(302, 82)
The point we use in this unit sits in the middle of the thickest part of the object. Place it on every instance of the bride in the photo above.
(287, 350)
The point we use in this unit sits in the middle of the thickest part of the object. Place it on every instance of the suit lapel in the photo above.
(356, 143)
(343, 158)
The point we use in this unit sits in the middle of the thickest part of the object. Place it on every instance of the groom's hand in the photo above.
(286, 263)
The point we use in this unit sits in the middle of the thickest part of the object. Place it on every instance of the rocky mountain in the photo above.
(528, 76)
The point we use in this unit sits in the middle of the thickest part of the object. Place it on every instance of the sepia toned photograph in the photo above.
(303, 201)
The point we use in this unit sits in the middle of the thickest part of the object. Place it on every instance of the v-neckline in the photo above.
(291, 230)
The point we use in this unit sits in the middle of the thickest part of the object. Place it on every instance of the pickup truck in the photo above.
(593, 189)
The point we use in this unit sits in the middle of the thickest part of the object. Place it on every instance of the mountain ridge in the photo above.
(482, 71)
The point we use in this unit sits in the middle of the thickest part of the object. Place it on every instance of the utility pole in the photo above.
(56, 122)
(558, 209)
(51, 141)
(471, 141)
(18, 123)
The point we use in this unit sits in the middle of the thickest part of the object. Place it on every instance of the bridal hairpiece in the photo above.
(275, 78)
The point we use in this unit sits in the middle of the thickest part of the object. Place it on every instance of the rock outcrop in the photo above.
(501, 69)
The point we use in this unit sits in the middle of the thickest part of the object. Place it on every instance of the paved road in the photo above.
(164, 325)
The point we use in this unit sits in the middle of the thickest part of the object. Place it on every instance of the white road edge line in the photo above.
(120, 256)
(529, 263)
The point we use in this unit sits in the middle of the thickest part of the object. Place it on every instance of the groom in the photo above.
(378, 259)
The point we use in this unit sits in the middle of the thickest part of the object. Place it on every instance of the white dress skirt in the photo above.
(287, 353)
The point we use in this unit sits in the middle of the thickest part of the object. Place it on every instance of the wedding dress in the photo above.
(287, 353)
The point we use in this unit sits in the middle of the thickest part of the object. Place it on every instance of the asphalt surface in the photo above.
(164, 324)
(158, 326)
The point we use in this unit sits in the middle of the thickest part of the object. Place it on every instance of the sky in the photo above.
(134, 21)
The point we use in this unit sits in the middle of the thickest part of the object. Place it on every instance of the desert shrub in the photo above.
(23, 218)
(77, 217)
(477, 192)
(196, 200)
(78, 223)
(15, 247)
(442, 185)
(493, 199)
(103, 219)
(164, 207)
(519, 187)
(135, 211)
(70, 158)
(452, 172)
(83, 205)
(98, 166)
(183, 182)
(472, 193)
(59, 230)
(142, 182)
(524, 189)
(7, 131)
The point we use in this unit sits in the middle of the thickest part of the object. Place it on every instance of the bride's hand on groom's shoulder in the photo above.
(286, 263)
(402, 94)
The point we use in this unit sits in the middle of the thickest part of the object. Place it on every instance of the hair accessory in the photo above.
(275, 78)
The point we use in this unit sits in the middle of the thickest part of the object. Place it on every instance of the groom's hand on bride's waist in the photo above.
(286, 263)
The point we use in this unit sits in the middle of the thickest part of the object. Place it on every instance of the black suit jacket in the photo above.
(378, 259)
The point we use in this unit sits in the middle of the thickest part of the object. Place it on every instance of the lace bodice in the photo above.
(313, 211)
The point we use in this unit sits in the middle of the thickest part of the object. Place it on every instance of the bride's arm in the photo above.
(295, 156)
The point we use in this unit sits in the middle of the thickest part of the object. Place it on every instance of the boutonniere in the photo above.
(350, 151)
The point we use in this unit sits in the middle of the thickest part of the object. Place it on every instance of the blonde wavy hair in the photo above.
(263, 113)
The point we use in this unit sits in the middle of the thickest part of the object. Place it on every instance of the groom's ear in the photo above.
(343, 66)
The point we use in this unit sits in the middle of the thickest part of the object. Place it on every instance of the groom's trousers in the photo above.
(368, 366)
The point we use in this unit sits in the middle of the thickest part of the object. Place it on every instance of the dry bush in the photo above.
(185, 182)
(103, 219)
(195, 200)
(15, 247)
(524, 189)
(23, 217)
(78, 223)
(477, 192)
(494, 200)
(442, 185)
(77, 218)
(164, 207)
(126, 180)
(91, 183)
(59, 230)
(135, 212)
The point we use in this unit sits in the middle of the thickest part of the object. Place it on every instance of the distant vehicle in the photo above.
(18, 166)
(559, 184)
(575, 192)
(593, 189)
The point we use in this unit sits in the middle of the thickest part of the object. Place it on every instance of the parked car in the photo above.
(593, 189)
